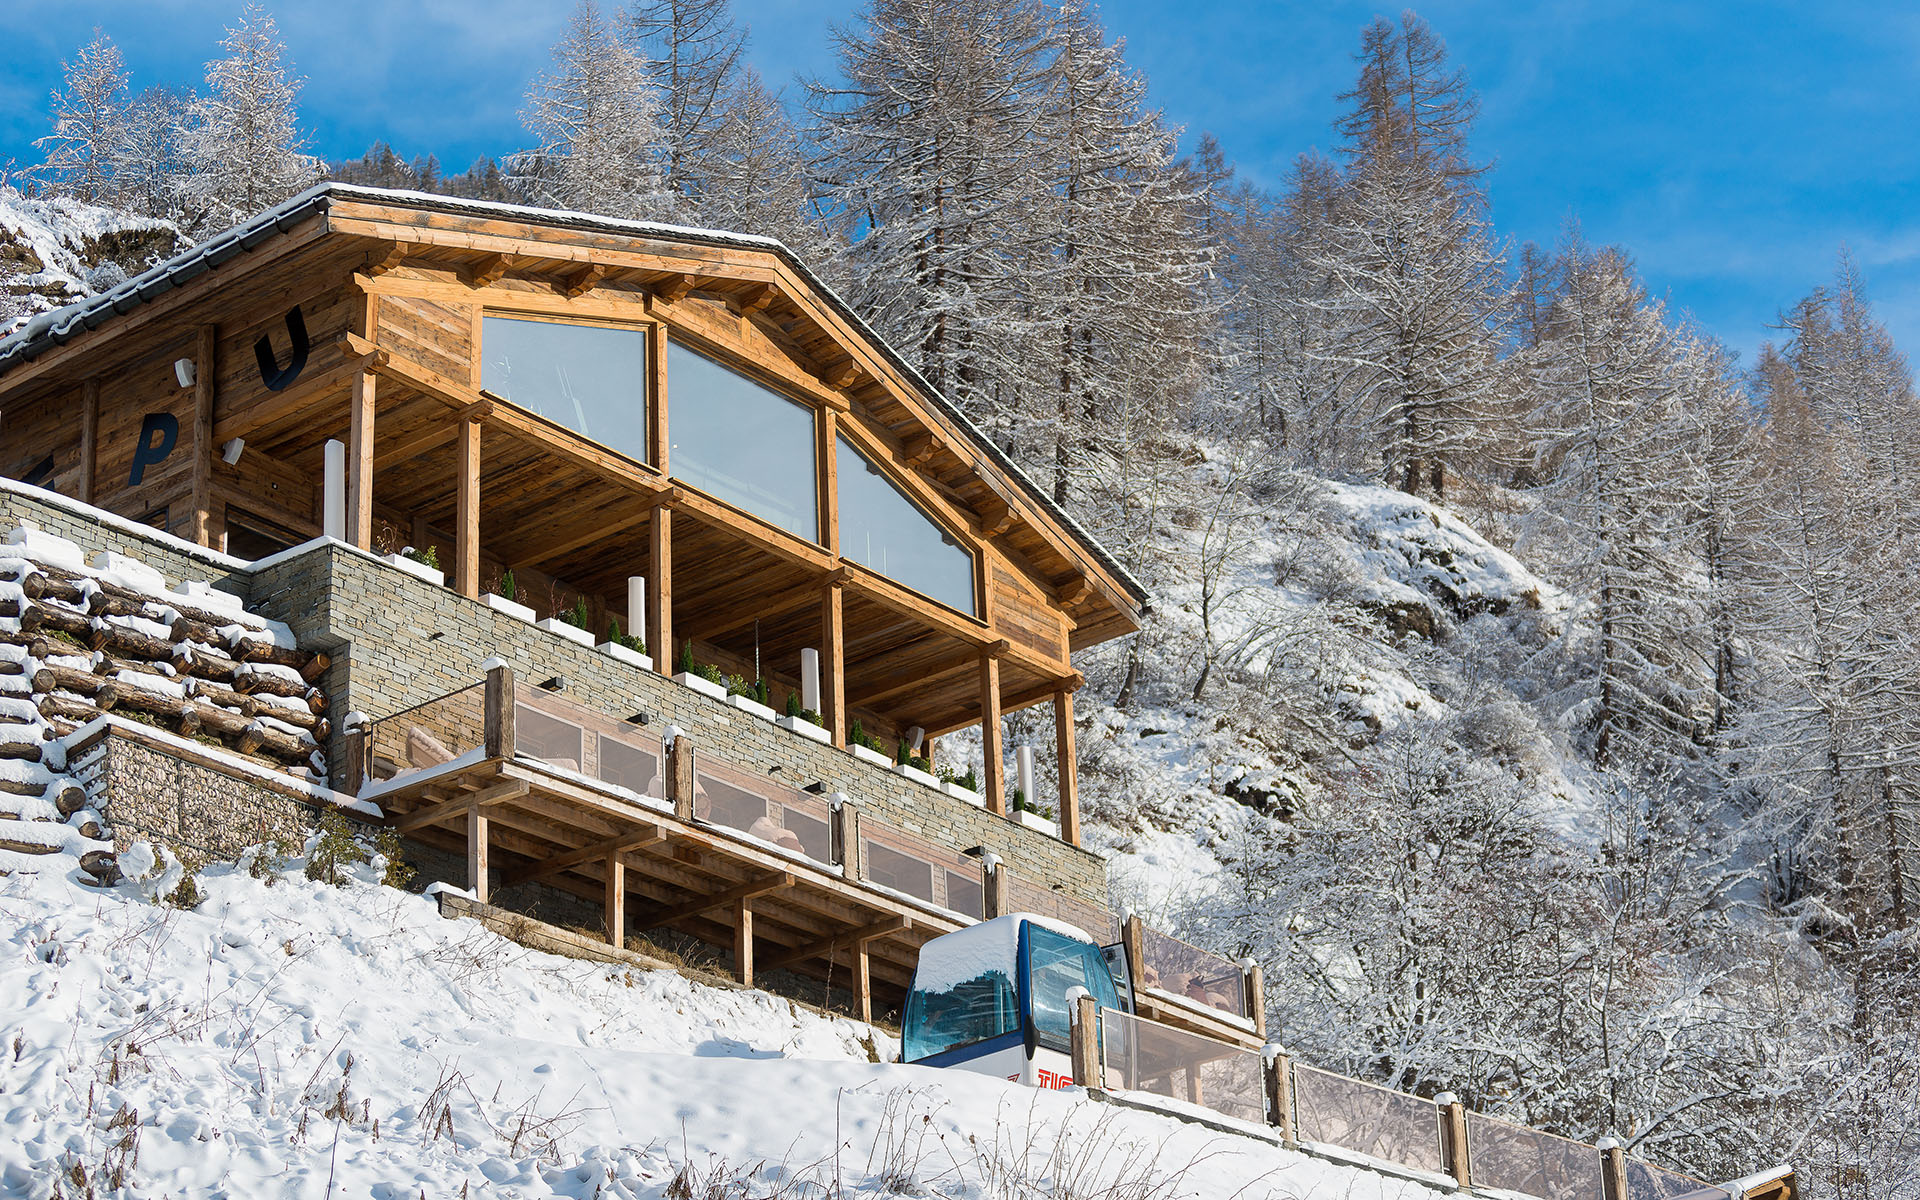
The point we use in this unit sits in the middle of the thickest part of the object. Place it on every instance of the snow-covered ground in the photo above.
(289, 1038)
(63, 249)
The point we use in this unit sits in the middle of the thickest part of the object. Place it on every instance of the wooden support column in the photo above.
(466, 531)
(205, 377)
(743, 941)
(616, 900)
(1083, 1040)
(680, 781)
(354, 748)
(477, 853)
(863, 982)
(833, 688)
(994, 783)
(1453, 1138)
(499, 713)
(1613, 1170)
(360, 462)
(1254, 980)
(89, 437)
(993, 889)
(1066, 760)
(659, 633)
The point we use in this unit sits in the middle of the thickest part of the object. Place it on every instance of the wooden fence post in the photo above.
(499, 709)
(993, 883)
(1133, 940)
(843, 829)
(1613, 1169)
(680, 780)
(1453, 1138)
(1278, 1071)
(1085, 1038)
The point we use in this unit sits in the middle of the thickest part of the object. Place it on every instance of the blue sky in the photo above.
(1732, 148)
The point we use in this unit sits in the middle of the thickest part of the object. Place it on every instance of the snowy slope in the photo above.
(58, 249)
(292, 1039)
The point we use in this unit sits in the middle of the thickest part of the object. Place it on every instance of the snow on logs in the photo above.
(187, 659)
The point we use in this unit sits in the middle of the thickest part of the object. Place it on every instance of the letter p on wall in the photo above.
(158, 433)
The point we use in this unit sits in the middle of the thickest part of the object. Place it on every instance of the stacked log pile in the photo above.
(81, 637)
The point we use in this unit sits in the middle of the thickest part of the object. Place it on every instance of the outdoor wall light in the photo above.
(183, 370)
(639, 718)
(230, 453)
(557, 684)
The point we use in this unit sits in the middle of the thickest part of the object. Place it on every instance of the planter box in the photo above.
(968, 794)
(866, 754)
(917, 775)
(747, 704)
(706, 687)
(1035, 821)
(501, 604)
(632, 658)
(418, 569)
(805, 728)
(572, 633)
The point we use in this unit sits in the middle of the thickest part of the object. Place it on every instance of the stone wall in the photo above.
(149, 791)
(178, 561)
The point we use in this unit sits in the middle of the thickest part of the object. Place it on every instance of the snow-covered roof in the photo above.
(51, 329)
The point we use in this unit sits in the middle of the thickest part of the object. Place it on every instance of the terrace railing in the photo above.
(1125, 1051)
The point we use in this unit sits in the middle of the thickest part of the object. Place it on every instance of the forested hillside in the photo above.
(1531, 685)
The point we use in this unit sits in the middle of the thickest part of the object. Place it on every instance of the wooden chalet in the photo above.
(581, 402)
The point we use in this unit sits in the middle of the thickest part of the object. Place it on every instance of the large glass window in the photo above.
(742, 442)
(881, 528)
(589, 378)
(1057, 964)
(969, 1011)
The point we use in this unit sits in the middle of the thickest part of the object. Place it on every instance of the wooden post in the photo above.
(89, 437)
(993, 885)
(354, 748)
(844, 831)
(1254, 988)
(1613, 1170)
(466, 531)
(477, 853)
(827, 422)
(680, 781)
(656, 409)
(660, 591)
(1084, 1040)
(1067, 762)
(360, 462)
(205, 376)
(1453, 1138)
(1133, 940)
(1278, 1071)
(616, 900)
(499, 713)
(862, 981)
(743, 941)
(833, 692)
(990, 751)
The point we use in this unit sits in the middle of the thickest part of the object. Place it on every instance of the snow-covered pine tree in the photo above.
(150, 175)
(597, 115)
(90, 124)
(242, 145)
(1416, 279)
(693, 51)
(755, 177)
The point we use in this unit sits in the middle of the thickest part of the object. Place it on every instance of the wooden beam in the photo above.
(743, 941)
(1066, 762)
(396, 253)
(206, 376)
(719, 622)
(994, 783)
(918, 449)
(603, 528)
(466, 534)
(706, 904)
(842, 376)
(616, 900)
(660, 590)
(824, 947)
(863, 983)
(607, 848)
(360, 462)
(995, 517)
(584, 280)
(488, 270)
(833, 648)
(757, 299)
(499, 793)
(675, 288)
(907, 674)
(89, 436)
(414, 447)
(477, 853)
